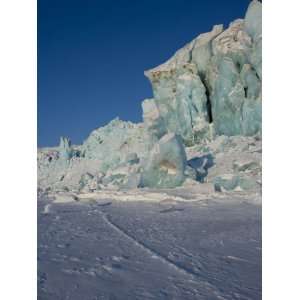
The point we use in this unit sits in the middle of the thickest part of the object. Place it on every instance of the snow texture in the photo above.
(107, 249)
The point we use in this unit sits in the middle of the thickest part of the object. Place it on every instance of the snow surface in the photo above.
(92, 249)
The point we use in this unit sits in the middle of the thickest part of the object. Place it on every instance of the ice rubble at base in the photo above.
(201, 126)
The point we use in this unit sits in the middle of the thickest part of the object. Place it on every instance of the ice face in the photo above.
(215, 79)
(209, 88)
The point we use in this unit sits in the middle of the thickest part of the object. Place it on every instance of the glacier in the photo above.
(203, 120)
(168, 208)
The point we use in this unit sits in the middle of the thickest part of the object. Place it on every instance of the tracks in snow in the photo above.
(156, 255)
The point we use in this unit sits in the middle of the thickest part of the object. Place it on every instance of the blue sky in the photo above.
(92, 55)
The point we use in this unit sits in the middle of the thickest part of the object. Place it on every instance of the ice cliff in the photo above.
(206, 101)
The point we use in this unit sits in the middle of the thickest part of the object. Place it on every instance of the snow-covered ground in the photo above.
(179, 246)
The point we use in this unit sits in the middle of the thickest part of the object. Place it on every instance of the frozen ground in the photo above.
(108, 249)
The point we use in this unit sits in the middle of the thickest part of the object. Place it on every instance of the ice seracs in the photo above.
(206, 103)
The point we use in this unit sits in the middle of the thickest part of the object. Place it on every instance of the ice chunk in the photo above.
(166, 164)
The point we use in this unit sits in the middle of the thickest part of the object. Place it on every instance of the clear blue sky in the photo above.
(92, 54)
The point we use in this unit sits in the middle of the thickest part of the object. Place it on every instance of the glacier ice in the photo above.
(166, 163)
(65, 150)
(207, 93)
